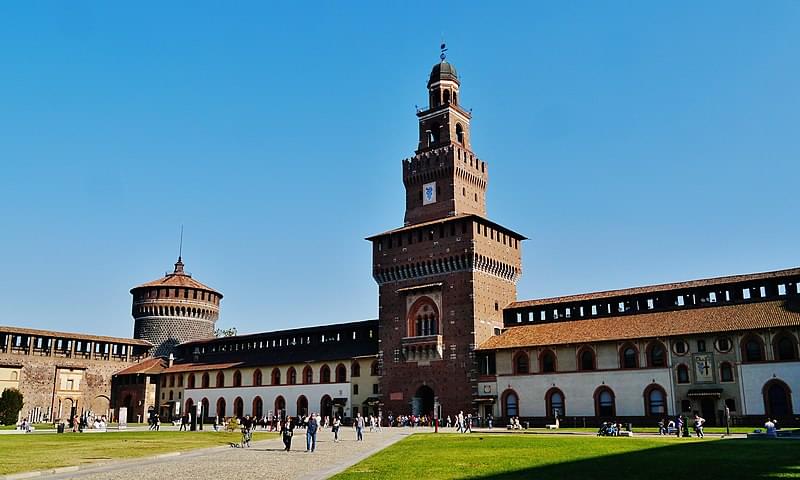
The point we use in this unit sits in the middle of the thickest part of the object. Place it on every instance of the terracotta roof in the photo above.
(658, 288)
(178, 278)
(194, 367)
(149, 365)
(729, 318)
(459, 216)
(77, 336)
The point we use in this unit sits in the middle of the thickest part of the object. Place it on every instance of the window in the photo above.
(679, 347)
(586, 359)
(204, 383)
(746, 293)
(680, 301)
(730, 404)
(355, 369)
(548, 361)
(655, 400)
(220, 379)
(555, 403)
(712, 297)
(510, 403)
(656, 356)
(683, 374)
(459, 133)
(762, 291)
(723, 344)
(604, 402)
(650, 304)
(701, 346)
(375, 388)
(341, 374)
(237, 378)
(258, 378)
(291, 376)
(752, 349)
(373, 369)
(784, 348)
(521, 363)
(325, 374)
(172, 381)
(629, 357)
(355, 389)
(308, 375)
(190, 381)
(725, 372)
(782, 289)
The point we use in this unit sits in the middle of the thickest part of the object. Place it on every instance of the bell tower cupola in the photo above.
(444, 178)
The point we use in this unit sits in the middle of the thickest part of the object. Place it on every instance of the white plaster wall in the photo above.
(579, 387)
(753, 377)
(268, 394)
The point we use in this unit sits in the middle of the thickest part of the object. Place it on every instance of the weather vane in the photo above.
(443, 55)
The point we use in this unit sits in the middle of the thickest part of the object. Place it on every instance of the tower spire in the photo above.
(179, 263)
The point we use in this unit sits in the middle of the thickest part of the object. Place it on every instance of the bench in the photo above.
(552, 427)
(625, 433)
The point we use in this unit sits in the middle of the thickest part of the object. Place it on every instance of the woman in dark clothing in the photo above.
(287, 430)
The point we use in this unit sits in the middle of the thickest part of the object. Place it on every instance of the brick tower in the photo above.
(174, 309)
(446, 275)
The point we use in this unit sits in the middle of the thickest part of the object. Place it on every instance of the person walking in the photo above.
(287, 431)
(359, 424)
(311, 433)
(336, 424)
(679, 426)
(698, 425)
(468, 424)
(490, 419)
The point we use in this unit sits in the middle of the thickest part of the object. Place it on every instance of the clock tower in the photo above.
(446, 275)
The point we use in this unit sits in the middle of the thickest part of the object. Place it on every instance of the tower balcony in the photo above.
(422, 348)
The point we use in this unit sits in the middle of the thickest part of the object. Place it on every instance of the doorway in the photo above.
(708, 410)
(423, 401)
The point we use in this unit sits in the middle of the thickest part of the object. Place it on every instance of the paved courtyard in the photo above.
(264, 460)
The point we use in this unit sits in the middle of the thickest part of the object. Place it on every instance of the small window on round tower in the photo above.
(460, 133)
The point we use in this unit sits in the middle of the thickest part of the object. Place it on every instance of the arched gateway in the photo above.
(423, 401)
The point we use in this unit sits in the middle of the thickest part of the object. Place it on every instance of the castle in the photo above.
(450, 333)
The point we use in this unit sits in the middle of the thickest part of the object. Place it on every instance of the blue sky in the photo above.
(633, 142)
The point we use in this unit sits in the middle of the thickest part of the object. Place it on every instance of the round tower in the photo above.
(174, 309)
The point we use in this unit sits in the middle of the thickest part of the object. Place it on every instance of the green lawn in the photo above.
(713, 430)
(476, 456)
(21, 453)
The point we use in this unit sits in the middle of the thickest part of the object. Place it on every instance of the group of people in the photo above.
(610, 429)
(680, 426)
(314, 422)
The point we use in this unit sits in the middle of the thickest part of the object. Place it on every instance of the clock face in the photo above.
(429, 193)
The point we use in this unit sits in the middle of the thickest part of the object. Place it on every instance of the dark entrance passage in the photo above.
(708, 410)
(422, 403)
(777, 399)
(326, 407)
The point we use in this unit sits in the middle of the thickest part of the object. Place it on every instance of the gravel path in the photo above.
(264, 460)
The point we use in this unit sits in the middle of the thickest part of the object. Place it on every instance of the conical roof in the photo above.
(178, 278)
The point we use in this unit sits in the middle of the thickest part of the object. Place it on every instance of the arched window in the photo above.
(291, 376)
(205, 381)
(628, 356)
(459, 133)
(190, 381)
(423, 318)
(205, 413)
(455, 98)
(280, 407)
(586, 360)
(237, 378)
(325, 374)
(355, 369)
(220, 379)
(683, 374)
(258, 378)
(655, 400)
(777, 399)
(556, 405)
(258, 407)
(725, 372)
(302, 406)
(510, 404)
(521, 363)
(341, 374)
(784, 347)
(276, 376)
(547, 362)
(752, 349)
(308, 375)
(604, 402)
(446, 96)
(180, 380)
(656, 355)
(189, 406)
(373, 369)
(238, 407)
(221, 407)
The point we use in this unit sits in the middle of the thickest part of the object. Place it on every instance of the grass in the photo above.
(500, 457)
(712, 430)
(22, 453)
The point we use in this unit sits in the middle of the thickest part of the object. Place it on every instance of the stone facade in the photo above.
(63, 374)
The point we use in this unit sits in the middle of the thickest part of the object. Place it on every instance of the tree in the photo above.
(227, 332)
(10, 406)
